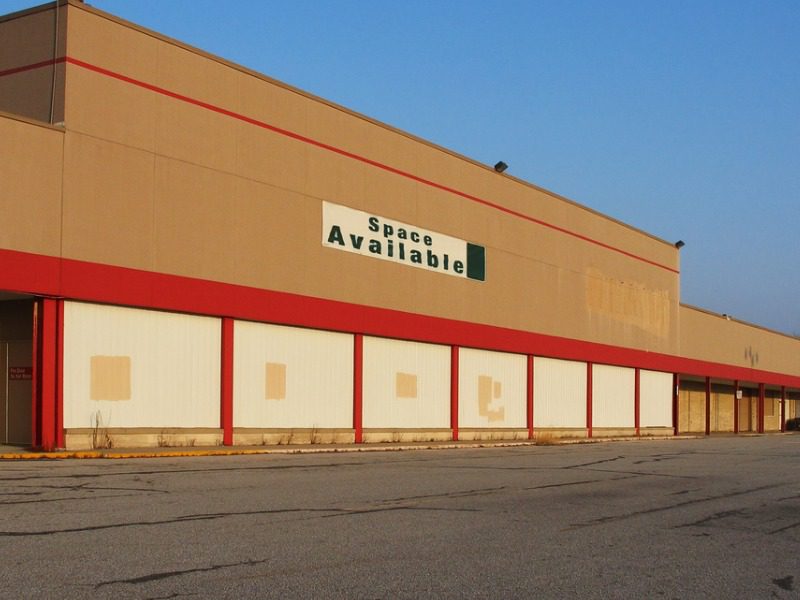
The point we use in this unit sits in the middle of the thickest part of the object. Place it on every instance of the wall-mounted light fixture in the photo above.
(500, 167)
(680, 244)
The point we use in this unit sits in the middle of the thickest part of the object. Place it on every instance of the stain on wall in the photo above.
(628, 302)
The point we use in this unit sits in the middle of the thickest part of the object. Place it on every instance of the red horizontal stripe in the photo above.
(362, 159)
(36, 274)
(39, 65)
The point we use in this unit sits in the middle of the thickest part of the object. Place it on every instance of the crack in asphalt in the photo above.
(169, 574)
(183, 519)
(393, 460)
(714, 517)
(334, 512)
(649, 511)
(594, 462)
(178, 471)
(782, 529)
(571, 483)
(461, 494)
(67, 499)
(367, 511)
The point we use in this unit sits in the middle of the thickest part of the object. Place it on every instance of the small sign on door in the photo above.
(20, 373)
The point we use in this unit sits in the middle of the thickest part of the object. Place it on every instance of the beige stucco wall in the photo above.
(30, 192)
(156, 182)
(188, 191)
(29, 38)
(711, 337)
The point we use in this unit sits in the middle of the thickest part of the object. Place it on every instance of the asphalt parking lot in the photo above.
(716, 517)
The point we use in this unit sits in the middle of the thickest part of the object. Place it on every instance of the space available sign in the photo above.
(363, 233)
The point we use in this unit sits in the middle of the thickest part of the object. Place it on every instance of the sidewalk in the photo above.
(22, 453)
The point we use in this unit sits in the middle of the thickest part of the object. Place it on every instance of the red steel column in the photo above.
(59, 391)
(637, 399)
(589, 399)
(708, 405)
(783, 408)
(454, 391)
(676, 388)
(529, 396)
(226, 382)
(48, 431)
(358, 386)
(735, 406)
(761, 393)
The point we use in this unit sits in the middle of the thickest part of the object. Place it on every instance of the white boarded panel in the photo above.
(286, 377)
(655, 399)
(492, 389)
(559, 393)
(406, 384)
(140, 368)
(613, 396)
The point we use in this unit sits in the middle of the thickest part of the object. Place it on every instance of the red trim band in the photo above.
(357, 157)
(39, 65)
(78, 280)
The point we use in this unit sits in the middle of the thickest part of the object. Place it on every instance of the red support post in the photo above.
(358, 387)
(48, 432)
(59, 391)
(226, 382)
(736, 406)
(454, 391)
(637, 399)
(588, 399)
(529, 396)
(708, 405)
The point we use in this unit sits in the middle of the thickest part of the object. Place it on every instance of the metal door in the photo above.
(16, 389)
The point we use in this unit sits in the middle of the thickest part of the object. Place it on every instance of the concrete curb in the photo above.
(245, 451)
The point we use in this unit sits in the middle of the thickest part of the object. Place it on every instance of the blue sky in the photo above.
(681, 118)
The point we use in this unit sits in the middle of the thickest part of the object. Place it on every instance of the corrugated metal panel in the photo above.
(613, 396)
(559, 393)
(140, 368)
(492, 389)
(291, 377)
(406, 384)
(655, 399)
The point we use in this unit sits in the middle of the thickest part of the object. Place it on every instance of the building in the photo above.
(193, 253)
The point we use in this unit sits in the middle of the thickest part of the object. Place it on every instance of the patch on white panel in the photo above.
(489, 391)
(110, 377)
(275, 387)
(406, 385)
